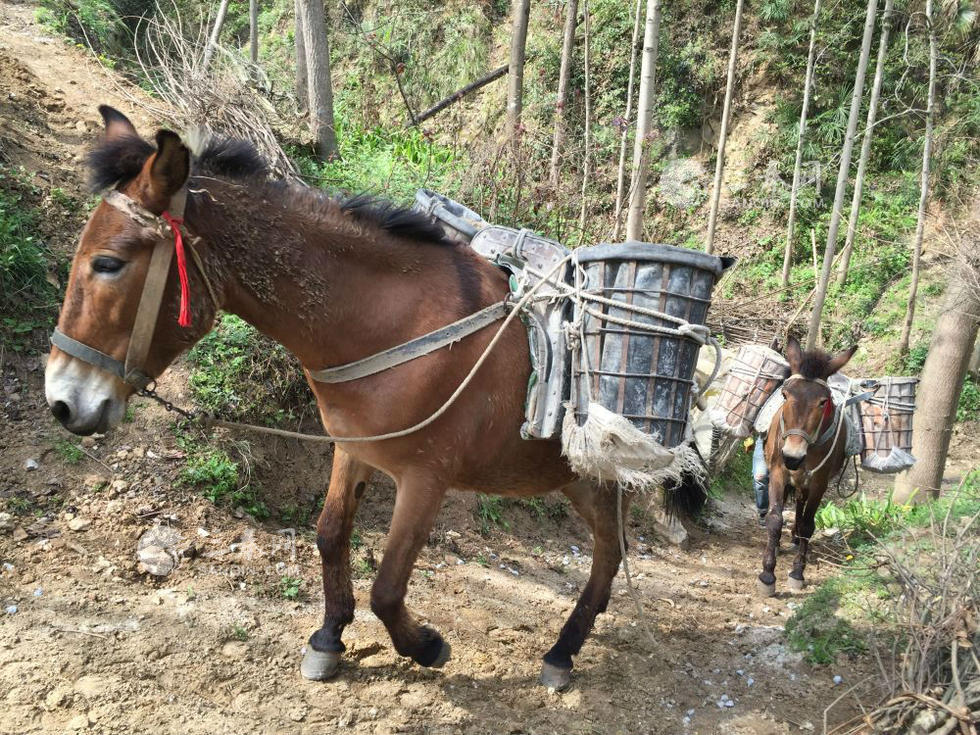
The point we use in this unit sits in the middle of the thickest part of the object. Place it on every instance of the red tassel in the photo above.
(184, 318)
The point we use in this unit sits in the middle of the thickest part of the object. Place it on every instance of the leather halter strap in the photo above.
(817, 438)
(133, 371)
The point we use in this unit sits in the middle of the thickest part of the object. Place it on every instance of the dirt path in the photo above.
(89, 642)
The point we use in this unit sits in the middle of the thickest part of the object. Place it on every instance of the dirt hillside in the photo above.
(90, 642)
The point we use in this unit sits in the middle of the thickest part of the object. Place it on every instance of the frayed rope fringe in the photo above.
(608, 448)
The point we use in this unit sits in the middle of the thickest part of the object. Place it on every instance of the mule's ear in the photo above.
(794, 354)
(841, 359)
(169, 166)
(117, 125)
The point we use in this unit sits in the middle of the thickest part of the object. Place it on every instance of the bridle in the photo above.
(818, 437)
(831, 411)
(170, 242)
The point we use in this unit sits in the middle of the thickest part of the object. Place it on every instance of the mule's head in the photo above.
(808, 408)
(107, 279)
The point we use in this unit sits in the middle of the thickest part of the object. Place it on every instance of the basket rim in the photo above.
(647, 251)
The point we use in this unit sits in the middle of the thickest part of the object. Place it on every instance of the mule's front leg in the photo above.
(774, 527)
(598, 508)
(805, 523)
(417, 503)
(333, 529)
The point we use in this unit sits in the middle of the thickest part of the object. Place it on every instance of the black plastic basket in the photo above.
(644, 376)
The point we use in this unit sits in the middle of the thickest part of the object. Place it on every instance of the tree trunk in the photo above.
(644, 122)
(587, 158)
(845, 167)
(567, 46)
(709, 246)
(520, 11)
(253, 30)
(302, 93)
(903, 345)
(213, 38)
(852, 219)
(942, 377)
(624, 135)
(798, 165)
(319, 87)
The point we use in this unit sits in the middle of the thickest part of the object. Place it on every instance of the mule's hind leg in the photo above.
(598, 507)
(417, 503)
(333, 529)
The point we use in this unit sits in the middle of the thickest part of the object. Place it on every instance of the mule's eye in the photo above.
(106, 264)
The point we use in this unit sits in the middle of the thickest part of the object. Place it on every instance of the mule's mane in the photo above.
(120, 160)
(815, 365)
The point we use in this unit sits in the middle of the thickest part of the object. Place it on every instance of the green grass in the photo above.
(489, 513)
(290, 587)
(818, 628)
(735, 477)
(218, 477)
(837, 617)
(862, 519)
(241, 375)
(28, 299)
(69, 451)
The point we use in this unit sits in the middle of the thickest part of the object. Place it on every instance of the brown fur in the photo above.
(804, 409)
(335, 287)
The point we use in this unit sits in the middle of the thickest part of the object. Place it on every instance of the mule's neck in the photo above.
(330, 289)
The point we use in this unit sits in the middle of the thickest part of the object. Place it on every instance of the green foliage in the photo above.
(290, 587)
(818, 631)
(863, 519)
(213, 472)
(242, 375)
(238, 632)
(99, 24)
(28, 299)
(69, 451)
(395, 163)
(490, 512)
(735, 477)
(356, 540)
(968, 408)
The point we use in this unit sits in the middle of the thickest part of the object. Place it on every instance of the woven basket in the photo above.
(886, 426)
(755, 374)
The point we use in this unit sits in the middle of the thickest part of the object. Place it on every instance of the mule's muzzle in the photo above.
(95, 421)
(791, 462)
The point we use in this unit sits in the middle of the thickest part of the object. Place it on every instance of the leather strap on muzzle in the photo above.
(133, 370)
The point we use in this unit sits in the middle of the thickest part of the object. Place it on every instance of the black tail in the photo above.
(686, 496)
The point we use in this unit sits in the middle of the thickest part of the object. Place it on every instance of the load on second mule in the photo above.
(359, 290)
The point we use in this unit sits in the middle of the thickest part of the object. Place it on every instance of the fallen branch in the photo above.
(458, 95)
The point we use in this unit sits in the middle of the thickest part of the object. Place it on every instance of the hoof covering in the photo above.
(319, 665)
(795, 584)
(765, 590)
(443, 657)
(555, 677)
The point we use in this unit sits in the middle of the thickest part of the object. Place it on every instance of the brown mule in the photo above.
(333, 281)
(804, 448)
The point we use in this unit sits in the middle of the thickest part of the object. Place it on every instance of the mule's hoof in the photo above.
(555, 677)
(444, 653)
(319, 665)
(795, 584)
(765, 590)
